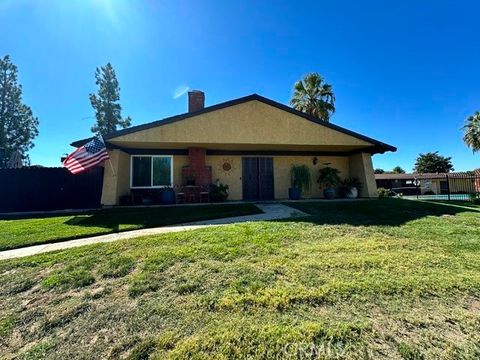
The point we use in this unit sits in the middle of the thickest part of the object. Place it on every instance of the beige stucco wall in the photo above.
(358, 165)
(283, 164)
(179, 161)
(281, 172)
(243, 126)
(116, 183)
(361, 167)
(232, 178)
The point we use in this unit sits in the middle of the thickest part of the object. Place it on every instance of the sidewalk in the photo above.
(270, 212)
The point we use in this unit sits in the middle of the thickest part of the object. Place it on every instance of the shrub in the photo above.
(349, 183)
(475, 198)
(383, 193)
(218, 192)
(429, 192)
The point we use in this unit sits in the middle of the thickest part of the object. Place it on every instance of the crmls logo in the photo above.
(301, 351)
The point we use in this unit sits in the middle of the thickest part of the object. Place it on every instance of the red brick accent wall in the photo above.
(197, 168)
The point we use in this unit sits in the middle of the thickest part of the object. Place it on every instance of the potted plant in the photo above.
(300, 179)
(167, 195)
(350, 187)
(218, 192)
(328, 178)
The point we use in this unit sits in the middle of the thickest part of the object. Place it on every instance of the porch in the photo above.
(203, 175)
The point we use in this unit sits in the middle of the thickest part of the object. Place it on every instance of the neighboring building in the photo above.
(249, 144)
(430, 184)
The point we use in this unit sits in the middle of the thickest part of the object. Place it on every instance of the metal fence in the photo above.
(455, 186)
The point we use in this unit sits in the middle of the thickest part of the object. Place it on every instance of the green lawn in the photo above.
(25, 232)
(386, 279)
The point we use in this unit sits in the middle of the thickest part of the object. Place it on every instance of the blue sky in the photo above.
(404, 72)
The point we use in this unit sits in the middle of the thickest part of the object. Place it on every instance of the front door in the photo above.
(257, 178)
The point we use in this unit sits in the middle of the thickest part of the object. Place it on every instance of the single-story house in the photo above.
(430, 184)
(249, 144)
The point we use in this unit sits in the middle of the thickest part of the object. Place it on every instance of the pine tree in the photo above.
(18, 126)
(106, 102)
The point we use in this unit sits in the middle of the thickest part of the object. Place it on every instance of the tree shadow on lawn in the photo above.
(387, 212)
(137, 218)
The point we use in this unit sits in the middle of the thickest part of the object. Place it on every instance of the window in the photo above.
(151, 171)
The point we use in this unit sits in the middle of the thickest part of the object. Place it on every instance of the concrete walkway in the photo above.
(272, 211)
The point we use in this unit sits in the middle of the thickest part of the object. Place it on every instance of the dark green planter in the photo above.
(329, 193)
(167, 196)
(294, 193)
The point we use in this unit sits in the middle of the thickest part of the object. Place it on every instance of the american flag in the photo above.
(89, 155)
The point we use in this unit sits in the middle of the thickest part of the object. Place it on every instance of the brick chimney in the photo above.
(197, 170)
(196, 100)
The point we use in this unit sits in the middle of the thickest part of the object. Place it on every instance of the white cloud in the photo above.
(180, 90)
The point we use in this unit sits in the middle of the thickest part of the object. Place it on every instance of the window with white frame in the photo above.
(150, 171)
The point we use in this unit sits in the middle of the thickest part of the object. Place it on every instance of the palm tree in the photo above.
(471, 136)
(312, 95)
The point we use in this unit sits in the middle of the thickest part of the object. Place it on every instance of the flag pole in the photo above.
(109, 161)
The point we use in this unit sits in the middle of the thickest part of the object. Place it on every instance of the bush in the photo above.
(383, 193)
(349, 183)
(218, 192)
(475, 198)
(429, 192)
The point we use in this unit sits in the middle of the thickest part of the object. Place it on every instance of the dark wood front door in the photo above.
(257, 178)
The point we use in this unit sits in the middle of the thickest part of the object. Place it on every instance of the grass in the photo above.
(392, 279)
(32, 231)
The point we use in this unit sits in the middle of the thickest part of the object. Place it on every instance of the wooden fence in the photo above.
(43, 189)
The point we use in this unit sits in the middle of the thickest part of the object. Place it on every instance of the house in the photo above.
(249, 143)
(430, 184)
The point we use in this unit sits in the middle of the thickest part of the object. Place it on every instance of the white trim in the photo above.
(151, 172)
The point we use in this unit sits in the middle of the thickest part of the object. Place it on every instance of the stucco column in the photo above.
(361, 167)
(117, 182)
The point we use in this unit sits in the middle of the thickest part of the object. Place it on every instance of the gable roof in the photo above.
(380, 147)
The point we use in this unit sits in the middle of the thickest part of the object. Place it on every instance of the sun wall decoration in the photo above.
(226, 166)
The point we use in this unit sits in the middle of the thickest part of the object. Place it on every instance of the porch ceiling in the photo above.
(243, 147)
